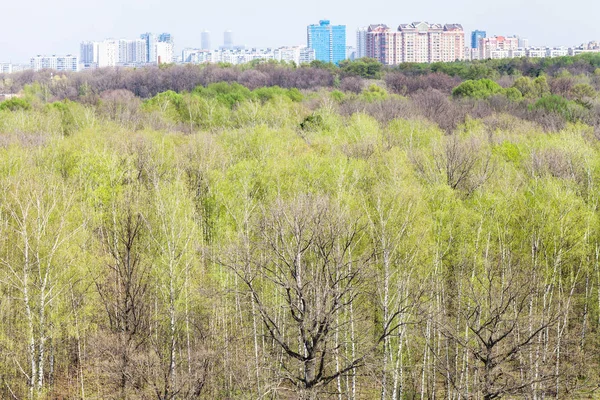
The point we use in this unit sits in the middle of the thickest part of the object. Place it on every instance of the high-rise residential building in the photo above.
(205, 40)
(419, 42)
(88, 54)
(168, 38)
(164, 53)
(361, 42)
(228, 40)
(112, 52)
(383, 44)
(136, 52)
(108, 53)
(328, 41)
(497, 46)
(151, 41)
(476, 37)
(57, 63)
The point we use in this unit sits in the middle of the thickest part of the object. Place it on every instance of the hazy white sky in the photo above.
(58, 26)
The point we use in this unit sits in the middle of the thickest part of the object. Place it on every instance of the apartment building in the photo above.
(490, 47)
(297, 54)
(419, 42)
(6, 68)
(57, 63)
(361, 42)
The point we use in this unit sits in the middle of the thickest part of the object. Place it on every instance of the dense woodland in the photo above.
(281, 232)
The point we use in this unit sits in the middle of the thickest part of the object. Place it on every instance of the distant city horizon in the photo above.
(327, 40)
(201, 40)
(59, 27)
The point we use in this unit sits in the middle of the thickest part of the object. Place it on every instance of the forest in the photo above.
(273, 231)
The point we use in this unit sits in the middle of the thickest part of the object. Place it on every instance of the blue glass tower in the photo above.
(476, 36)
(328, 41)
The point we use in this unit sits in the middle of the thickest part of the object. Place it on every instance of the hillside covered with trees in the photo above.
(277, 232)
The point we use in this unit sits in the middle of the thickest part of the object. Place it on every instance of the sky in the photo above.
(58, 26)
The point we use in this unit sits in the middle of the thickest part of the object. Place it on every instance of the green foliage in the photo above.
(368, 68)
(338, 96)
(498, 217)
(513, 94)
(270, 93)
(541, 87)
(582, 92)
(228, 94)
(323, 65)
(15, 104)
(479, 89)
(374, 93)
(67, 119)
(555, 104)
(312, 122)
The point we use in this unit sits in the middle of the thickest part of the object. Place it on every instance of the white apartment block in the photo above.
(57, 63)
(6, 68)
(126, 52)
(361, 42)
(419, 42)
(557, 52)
(131, 52)
(164, 53)
(536, 52)
(108, 53)
(296, 54)
(498, 54)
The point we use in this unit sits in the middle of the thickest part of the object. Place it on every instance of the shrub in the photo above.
(480, 89)
(558, 105)
(15, 104)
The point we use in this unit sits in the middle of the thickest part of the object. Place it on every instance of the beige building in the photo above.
(419, 42)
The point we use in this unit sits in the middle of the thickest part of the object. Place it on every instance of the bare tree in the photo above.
(494, 311)
(465, 162)
(304, 250)
(124, 289)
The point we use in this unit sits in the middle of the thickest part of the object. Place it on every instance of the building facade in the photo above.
(6, 68)
(328, 41)
(419, 42)
(493, 47)
(227, 40)
(361, 42)
(476, 36)
(296, 54)
(150, 39)
(164, 53)
(88, 53)
(57, 63)
(205, 41)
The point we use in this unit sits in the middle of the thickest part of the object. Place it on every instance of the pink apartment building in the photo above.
(504, 44)
(418, 42)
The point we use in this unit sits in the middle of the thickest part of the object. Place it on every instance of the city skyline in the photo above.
(59, 27)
